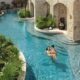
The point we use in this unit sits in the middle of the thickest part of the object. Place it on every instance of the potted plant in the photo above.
(45, 22)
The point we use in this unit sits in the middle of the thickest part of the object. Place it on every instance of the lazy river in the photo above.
(33, 44)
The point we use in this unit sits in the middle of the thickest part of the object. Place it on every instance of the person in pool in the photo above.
(48, 50)
(51, 51)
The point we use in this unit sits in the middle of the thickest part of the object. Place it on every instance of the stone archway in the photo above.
(46, 8)
(60, 12)
(76, 19)
(32, 9)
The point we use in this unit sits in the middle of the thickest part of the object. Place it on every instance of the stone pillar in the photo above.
(73, 21)
(31, 7)
(70, 28)
(34, 10)
(29, 2)
(76, 19)
(51, 10)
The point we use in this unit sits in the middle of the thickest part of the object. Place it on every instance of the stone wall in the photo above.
(40, 8)
(76, 19)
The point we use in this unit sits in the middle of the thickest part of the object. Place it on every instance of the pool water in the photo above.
(33, 44)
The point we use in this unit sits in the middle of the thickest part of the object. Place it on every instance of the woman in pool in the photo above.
(51, 51)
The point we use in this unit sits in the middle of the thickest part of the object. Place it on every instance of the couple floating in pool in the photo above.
(51, 51)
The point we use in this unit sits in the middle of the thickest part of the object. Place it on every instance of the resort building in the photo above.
(67, 10)
(35, 48)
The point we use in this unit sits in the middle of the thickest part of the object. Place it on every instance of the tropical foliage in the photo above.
(4, 6)
(22, 13)
(10, 64)
(45, 22)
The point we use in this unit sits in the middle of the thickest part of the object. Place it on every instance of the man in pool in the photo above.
(51, 51)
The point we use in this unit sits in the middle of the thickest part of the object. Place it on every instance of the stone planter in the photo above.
(23, 74)
(25, 19)
(53, 31)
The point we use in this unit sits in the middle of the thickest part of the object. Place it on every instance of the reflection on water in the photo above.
(30, 74)
(60, 65)
(57, 64)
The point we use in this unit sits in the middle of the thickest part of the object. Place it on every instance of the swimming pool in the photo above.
(33, 44)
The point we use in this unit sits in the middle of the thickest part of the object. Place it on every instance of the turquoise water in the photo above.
(39, 65)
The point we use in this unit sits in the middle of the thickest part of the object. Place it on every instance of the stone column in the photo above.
(51, 10)
(73, 21)
(70, 28)
(76, 19)
(29, 4)
(34, 10)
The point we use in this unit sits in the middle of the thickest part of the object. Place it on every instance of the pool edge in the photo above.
(23, 73)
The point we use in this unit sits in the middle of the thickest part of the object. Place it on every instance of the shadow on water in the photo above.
(59, 65)
(30, 74)
(40, 37)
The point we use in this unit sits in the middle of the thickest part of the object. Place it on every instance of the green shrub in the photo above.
(12, 70)
(10, 65)
(51, 21)
(22, 13)
(2, 64)
(45, 22)
(40, 21)
(2, 39)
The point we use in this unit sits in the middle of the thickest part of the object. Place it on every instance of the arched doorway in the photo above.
(32, 9)
(60, 12)
(46, 7)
